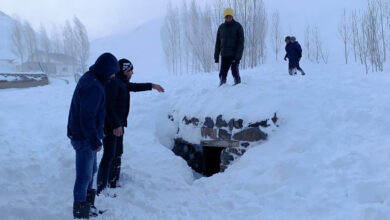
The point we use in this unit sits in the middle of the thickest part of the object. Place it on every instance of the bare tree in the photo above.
(372, 26)
(82, 43)
(276, 34)
(363, 45)
(369, 34)
(18, 41)
(170, 38)
(56, 39)
(44, 45)
(308, 43)
(31, 41)
(354, 33)
(381, 10)
(344, 33)
(69, 40)
(314, 46)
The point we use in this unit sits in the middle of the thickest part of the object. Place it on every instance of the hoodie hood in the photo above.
(105, 66)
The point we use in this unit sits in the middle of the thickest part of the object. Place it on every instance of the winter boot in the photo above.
(237, 81)
(81, 210)
(91, 194)
(222, 81)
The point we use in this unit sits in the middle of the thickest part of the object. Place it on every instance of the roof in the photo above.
(56, 57)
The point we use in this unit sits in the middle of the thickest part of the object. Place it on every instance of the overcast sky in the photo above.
(108, 17)
(102, 17)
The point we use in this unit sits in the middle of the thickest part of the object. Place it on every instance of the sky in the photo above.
(101, 17)
(108, 17)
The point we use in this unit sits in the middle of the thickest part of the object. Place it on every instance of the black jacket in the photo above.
(87, 110)
(230, 41)
(293, 51)
(118, 101)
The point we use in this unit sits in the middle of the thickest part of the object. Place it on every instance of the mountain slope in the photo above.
(142, 46)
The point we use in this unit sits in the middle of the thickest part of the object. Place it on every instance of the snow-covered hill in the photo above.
(329, 159)
(142, 46)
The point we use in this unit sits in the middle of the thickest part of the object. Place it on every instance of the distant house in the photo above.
(7, 65)
(53, 64)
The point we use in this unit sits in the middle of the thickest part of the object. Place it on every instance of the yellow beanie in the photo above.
(227, 12)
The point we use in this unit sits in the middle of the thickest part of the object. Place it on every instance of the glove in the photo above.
(216, 61)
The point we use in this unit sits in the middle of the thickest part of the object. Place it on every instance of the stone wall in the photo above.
(8, 80)
(232, 137)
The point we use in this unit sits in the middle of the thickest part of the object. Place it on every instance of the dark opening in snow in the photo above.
(191, 153)
(212, 160)
(204, 159)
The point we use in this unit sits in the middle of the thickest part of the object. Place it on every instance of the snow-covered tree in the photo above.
(31, 41)
(44, 45)
(276, 34)
(18, 42)
(82, 43)
(344, 33)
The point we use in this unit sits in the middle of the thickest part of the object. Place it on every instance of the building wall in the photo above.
(5, 66)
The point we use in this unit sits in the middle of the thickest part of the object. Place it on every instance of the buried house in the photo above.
(210, 133)
(210, 145)
(53, 64)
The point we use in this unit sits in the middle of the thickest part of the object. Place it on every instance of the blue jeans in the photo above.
(85, 169)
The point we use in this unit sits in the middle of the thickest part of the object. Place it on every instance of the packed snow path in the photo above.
(330, 158)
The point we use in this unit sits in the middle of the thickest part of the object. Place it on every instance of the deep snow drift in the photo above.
(329, 159)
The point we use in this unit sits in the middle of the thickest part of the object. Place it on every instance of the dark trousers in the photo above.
(109, 168)
(226, 64)
(294, 64)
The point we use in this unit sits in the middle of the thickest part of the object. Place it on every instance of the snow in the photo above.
(16, 76)
(22, 73)
(329, 158)
(9, 78)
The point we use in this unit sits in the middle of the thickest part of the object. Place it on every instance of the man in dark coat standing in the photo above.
(230, 46)
(85, 129)
(118, 106)
(294, 55)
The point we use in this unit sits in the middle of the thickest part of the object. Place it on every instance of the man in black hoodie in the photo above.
(230, 46)
(118, 106)
(85, 129)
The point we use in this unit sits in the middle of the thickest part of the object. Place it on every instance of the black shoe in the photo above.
(91, 194)
(237, 81)
(221, 81)
(81, 210)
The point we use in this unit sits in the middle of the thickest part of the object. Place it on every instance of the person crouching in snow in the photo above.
(85, 130)
(294, 55)
(117, 106)
(230, 46)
